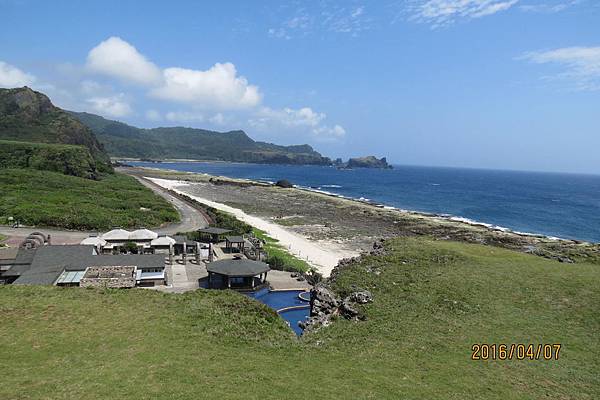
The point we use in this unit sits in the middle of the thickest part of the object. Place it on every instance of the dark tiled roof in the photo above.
(180, 239)
(234, 239)
(237, 267)
(21, 263)
(49, 262)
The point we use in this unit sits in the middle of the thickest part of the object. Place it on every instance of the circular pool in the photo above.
(289, 304)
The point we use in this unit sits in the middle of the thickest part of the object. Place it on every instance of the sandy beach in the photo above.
(322, 255)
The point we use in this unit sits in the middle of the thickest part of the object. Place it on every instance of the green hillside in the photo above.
(29, 116)
(55, 173)
(122, 140)
(432, 301)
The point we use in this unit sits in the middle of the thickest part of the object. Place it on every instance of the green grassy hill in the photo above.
(122, 140)
(432, 301)
(29, 116)
(44, 198)
(55, 173)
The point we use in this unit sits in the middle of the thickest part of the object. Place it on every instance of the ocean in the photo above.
(556, 205)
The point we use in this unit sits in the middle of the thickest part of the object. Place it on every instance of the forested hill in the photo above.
(29, 118)
(122, 140)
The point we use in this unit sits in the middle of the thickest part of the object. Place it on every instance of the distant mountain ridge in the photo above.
(123, 140)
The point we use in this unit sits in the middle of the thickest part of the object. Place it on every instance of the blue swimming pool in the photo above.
(280, 300)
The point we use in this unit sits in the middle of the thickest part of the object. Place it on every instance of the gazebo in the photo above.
(237, 273)
(213, 233)
(234, 242)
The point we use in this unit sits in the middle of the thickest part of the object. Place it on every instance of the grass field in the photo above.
(51, 199)
(432, 301)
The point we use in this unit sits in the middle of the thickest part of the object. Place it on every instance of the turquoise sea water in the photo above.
(559, 205)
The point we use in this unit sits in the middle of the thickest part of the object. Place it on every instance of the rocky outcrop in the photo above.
(366, 162)
(325, 304)
(284, 183)
(361, 297)
(378, 250)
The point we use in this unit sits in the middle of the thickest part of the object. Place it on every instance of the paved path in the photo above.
(191, 219)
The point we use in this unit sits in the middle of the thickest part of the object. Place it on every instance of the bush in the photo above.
(276, 262)
(66, 159)
(130, 247)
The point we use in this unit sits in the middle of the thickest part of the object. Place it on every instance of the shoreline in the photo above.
(322, 256)
(348, 226)
(368, 202)
(449, 217)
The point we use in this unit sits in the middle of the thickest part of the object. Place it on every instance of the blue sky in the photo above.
(506, 84)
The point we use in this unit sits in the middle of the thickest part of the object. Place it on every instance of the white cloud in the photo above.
(91, 87)
(216, 88)
(287, 117)
(117, 58)
(112, 106)
(439, 13)
(184, 116)
(11, 76)
(324, 17)
(582, 64)
(218, 119)
(295, 120)
(153, 115)
(550, 7)
(218, 95)
(334, 133)
(279, 33)
(346, 20)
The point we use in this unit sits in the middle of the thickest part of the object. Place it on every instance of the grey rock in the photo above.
(347, 309)
(362, 297)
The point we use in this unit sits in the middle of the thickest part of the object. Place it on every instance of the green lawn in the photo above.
(433, 300)
(44, 198)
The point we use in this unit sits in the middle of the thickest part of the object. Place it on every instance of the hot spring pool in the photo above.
(282, 300)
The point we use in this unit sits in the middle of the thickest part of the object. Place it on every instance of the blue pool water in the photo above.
(561, 205)
(294, 316)
(282, 299)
